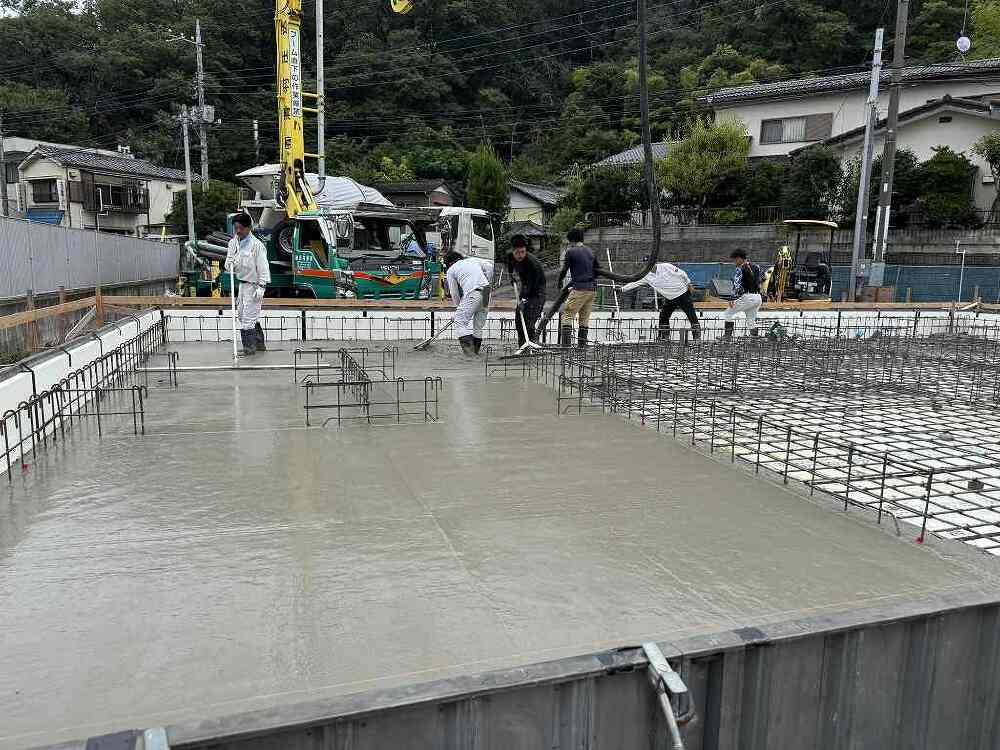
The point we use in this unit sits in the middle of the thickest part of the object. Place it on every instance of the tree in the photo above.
(697, 165)
(611, 190)
(487, 184)
(812, 184)
(211, 207)
(906, 189)
(933, 32)
(760, 185)
(985, 29)
(564, 219)
(45, 113)
(947, 181)
(393, 171)
(987, 148)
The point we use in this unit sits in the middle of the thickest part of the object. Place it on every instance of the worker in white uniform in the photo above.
(746, 287)
(674, 285)
(469, 286)
(246, 257)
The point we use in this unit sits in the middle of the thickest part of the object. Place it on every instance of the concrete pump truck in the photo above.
(331, 237)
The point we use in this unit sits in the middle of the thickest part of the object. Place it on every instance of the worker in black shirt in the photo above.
(531, 285)
(583, 267)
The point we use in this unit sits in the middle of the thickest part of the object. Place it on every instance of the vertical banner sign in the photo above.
(61, 189)
(295, 65)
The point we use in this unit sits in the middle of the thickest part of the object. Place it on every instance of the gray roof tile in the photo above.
(547, 195)
(633, 156)
(804, 86)
(119, 165)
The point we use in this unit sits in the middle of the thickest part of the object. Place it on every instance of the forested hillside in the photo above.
(549, 83)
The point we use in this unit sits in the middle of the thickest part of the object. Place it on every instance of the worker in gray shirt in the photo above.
(583, 268)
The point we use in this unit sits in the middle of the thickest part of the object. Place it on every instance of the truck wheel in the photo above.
(284, 236)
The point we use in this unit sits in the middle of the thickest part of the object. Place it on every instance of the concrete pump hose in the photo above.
(649, 175)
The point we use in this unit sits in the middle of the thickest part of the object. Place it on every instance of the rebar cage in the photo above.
(115, 384)
(359, 385)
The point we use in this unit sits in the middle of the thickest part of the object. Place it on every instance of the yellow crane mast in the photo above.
(293, 190)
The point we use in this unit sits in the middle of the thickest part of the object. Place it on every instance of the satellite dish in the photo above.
(402, 6)
(964, 44)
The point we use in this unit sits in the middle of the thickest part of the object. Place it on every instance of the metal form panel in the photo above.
(923, 675)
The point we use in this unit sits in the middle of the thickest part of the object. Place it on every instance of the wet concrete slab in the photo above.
(232, 559)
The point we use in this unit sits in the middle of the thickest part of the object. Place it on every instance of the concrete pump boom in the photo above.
(293, 191)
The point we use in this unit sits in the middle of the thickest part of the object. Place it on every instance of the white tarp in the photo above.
(337, 192)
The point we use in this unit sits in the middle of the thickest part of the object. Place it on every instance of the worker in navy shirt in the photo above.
(746, 287)
(583, 268)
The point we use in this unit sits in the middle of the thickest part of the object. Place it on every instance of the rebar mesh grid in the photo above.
(904, 426)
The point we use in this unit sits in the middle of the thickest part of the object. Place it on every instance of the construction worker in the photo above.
(746, 287)
(469, 287)
(674, 285)
(582, 266)
(246, 257)
(531, 286)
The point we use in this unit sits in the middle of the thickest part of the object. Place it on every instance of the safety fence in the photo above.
(112, 384)
(42, 258)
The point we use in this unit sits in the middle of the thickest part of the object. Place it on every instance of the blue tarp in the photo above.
(46, 215)
(926, 283)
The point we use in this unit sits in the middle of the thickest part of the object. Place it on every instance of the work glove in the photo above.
(524, 301)
(258, 293)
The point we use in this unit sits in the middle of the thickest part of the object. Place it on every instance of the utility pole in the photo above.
(185, 121)
(861, 217)
(202, 124)
(3, 168)
(320, 98)
(889, 154)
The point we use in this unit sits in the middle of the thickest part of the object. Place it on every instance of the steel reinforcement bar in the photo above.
(101, 389)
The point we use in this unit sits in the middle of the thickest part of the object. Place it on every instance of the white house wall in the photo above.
(523, 208)
(847, 108)
(161, 197)
(922, 136)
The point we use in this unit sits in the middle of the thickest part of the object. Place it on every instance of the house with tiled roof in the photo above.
(417, 193)
(533, 203)
(110, 191)
(784, 116)
(632, 157)
(956, 123)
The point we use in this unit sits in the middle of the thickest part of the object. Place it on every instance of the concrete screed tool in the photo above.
(427, 342)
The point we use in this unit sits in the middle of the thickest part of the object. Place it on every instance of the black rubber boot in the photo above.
(754, 332)
(696, 333)
(663, 334)
(727, 334)
(581, 337)
(249, 348)
(259, 338)
(566, 336)
(468, 345)
(477, 344)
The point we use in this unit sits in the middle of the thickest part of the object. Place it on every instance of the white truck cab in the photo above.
(471, 232)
